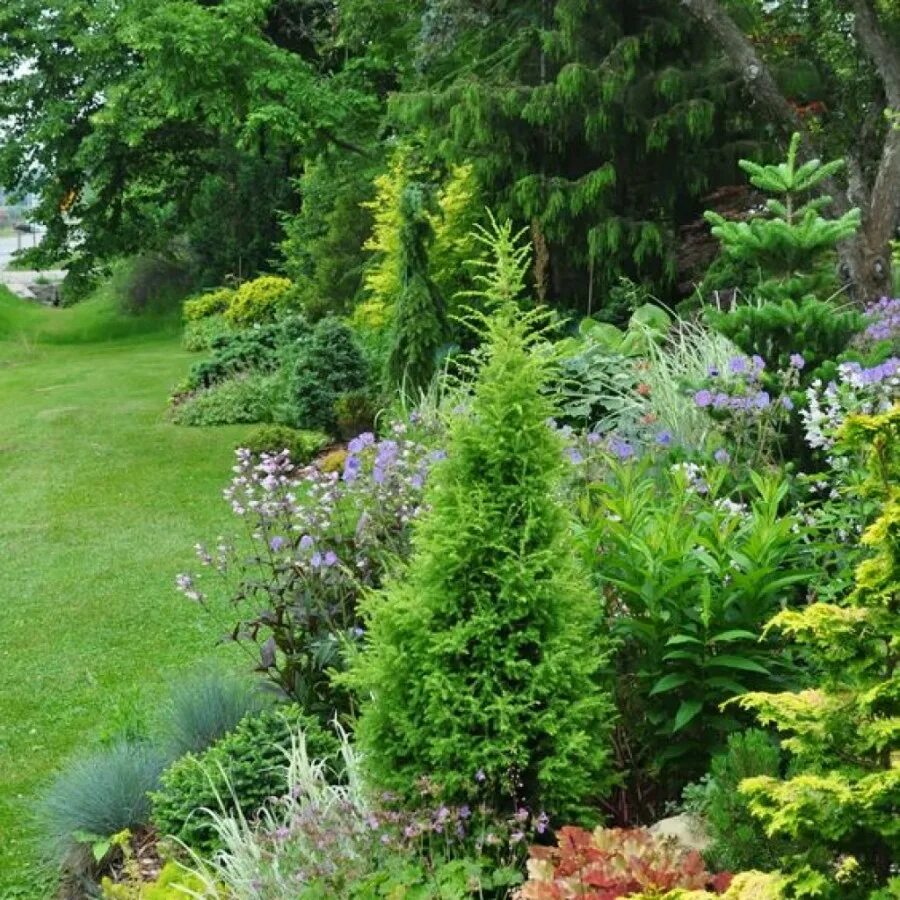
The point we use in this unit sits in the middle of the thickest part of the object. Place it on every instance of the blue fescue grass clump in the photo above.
(204, 708)
(96, 796)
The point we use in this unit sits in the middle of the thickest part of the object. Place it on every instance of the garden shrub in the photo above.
(241, 771)
(257, 301)
(481, 663)
(302, 446)
(201, 334)
(839, 801)
(202, 708)
(738, 839)
(244, 398)
(209, 303)
(95, 797)
(690, 578)
(610, 863)
(354, 414)
(264, 348)
(328, 363)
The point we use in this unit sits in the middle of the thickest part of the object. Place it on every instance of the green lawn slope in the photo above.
(101, 501)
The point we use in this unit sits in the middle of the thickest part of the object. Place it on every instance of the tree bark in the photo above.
(865, 261)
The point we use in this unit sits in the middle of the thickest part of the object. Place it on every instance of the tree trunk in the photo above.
(865, 261)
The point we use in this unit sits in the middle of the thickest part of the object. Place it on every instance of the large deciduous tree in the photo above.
(828, 32)
(137, 121)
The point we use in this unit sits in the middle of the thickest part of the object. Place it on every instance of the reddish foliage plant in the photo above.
(610, 863)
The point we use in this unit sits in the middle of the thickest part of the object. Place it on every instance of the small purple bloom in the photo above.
(359, 443)
(720, 401)
(480, 776)
(722, 456)
(787, 403)
(762, 400)
(713, 371)
(330, 559)
(306, 542)
(797, 361)
(593, 439)
(664, 438)
(574, 455)
(276, 544)
(622, 449)
(758, 363)
(703, 398)
(316, 560)
(737, 365)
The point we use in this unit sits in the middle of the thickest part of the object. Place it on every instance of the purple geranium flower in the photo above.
(703, 398)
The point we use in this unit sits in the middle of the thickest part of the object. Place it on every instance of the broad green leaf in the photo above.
(735, 634)
(730, 661)
(669, 683)
(687, 712)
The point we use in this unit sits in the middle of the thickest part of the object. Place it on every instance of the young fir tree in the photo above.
(600, 124)
(787, 262)
(482, 669)
(843, 794)
(419, 321)
(794, 247)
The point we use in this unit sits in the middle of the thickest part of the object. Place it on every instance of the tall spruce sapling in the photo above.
(419, 328)
(788, 257)
(484, 667)
(842, 798)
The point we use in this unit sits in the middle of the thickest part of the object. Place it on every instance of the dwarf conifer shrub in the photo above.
(481, 670)
(242, 771)
(328, 364)
(840, 801)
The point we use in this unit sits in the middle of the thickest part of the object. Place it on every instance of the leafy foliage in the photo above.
(243, 398)
(844, 735)
(207, 304)
(612, 863)
(579, 119)
(242, 770)
(201, 334)
(793, 253)
(302, 446)
(171, 884)
(257, 301)
(690, 577)
(482, 661)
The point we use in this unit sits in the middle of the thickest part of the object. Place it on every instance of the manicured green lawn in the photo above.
(101, 501)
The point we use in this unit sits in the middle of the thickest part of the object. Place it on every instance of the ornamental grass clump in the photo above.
(481, 670)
